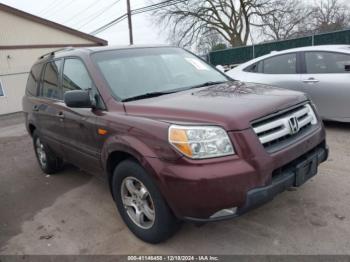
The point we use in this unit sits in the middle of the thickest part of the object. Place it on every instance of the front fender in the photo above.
(138, 148)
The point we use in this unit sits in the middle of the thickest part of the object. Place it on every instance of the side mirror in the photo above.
(78, 99)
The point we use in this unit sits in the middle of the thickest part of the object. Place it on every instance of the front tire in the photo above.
(48, 161)
(141, 205)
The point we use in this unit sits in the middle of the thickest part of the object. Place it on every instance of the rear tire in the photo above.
(48, 161)
(136, 193)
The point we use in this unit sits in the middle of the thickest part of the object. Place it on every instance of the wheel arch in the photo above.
(113, 160)
(31, 128)
(117, 156)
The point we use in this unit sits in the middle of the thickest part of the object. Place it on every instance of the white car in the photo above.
(323, 72)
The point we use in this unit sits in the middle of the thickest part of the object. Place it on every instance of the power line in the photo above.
(80, 12)
(136, 11)
(108, 25)
(105, 18)
(157, 6)
(100, 13)
(64, 7)
(48, 7)
(81, 18)
(56, 7)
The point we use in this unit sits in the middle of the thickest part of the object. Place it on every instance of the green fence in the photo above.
(242, 54)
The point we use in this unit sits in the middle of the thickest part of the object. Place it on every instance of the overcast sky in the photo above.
(84, 16)
(88, 15)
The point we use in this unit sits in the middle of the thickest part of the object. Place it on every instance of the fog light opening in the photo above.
(224, 212)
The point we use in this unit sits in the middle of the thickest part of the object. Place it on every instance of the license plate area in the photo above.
(305, 170)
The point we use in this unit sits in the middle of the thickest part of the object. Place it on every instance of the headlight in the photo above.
(200, 142)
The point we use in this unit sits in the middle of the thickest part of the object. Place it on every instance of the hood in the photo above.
(232, 105)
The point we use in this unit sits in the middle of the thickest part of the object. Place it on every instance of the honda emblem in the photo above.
(294, 125)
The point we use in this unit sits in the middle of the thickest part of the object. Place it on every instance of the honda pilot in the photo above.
(174, 138)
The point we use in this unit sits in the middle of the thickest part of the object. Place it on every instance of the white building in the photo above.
(23, 38)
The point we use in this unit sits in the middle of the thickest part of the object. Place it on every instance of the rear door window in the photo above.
(327, 63)
(51, 84)
(281, 64)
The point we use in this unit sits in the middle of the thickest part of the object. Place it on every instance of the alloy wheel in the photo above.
(138, 202)
(40, 151)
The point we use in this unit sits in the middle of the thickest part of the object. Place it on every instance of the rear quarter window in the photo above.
(255, 68)
(33, 80)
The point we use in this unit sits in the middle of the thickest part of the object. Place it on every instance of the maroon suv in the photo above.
(175, 138)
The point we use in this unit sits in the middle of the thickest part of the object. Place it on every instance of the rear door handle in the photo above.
(35, 108)
(60, 115)
(311, 80)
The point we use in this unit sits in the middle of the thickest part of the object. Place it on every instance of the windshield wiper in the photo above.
(209, 83)
(155, 94)
(147, 95)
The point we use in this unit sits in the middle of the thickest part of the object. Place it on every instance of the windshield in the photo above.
(136, 72)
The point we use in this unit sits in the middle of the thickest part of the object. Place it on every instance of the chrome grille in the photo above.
(286, 125)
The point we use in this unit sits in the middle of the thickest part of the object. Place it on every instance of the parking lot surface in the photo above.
(73, 213)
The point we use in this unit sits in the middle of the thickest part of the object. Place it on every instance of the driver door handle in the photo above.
(35, 108)
(311, 80)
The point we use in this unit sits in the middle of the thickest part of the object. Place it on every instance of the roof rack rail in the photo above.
(52, 53)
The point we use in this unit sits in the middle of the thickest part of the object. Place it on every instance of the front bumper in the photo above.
(293, 175)
(197, 189)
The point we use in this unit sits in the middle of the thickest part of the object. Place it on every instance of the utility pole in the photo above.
(130, 22)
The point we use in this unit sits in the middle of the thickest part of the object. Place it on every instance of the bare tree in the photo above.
(212, 42)
(293, 18)
(286, 21)
(200, 23)
(196, 19)
(330, 15)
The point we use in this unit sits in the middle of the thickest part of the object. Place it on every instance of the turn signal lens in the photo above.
(180, 141)
(102, 132)
(199, 142)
